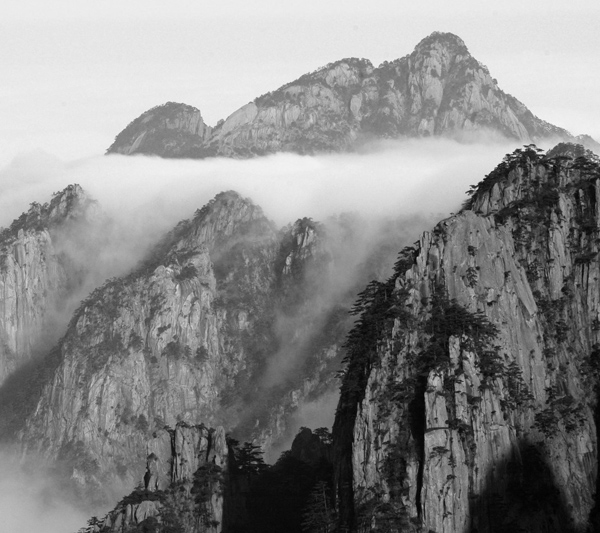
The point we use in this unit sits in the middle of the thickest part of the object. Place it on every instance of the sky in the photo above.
(76, 72)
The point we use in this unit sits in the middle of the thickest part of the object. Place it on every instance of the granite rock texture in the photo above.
(440, 89)
(469, 400)
(39, 272)
(186, 468)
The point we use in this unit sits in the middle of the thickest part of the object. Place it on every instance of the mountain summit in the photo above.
(167, 130)
(440, 89)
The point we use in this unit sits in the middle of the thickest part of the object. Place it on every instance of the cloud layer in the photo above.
(418, 182)
(402, 177)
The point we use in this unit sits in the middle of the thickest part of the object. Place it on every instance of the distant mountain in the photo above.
(169, 130)
(440, 89)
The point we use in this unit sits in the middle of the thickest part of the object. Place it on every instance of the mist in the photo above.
(144, 197)
(152, 194)
(314, 414)
(31, 499)
(403, 186)
(413, 182)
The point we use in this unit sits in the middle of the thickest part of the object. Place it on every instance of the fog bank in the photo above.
(31, 500)
(396, 177)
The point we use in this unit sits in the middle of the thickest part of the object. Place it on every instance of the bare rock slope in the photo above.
(38, 273)
(227, 322)
(439, 89)
(182, 490)
(469, 401)
(169, 130)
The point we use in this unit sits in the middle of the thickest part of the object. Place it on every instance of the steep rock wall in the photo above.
(36, 275)
(183, 486)
(154, 347)
(219, 325)
(470, 389)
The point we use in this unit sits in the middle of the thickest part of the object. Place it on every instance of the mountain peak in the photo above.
(68, 204)
(445, 39)
(572, 150)
(438, 90)
(168, 130)
(226, 209)
(227, 214)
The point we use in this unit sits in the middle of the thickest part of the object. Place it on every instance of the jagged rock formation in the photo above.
(469, 401)
(149, 349)
(186, 469)
(469, 398)
(227, 322)
(439, 89)
(198, 481)
(310, 447)
(38, 273)
(168, 130)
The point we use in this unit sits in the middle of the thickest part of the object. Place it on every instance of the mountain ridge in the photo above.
(38, 272)
(469, 396)
(439, 89)
(200, 332)
(471, 384)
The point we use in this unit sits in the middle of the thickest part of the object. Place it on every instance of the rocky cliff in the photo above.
(197, 481)
(150, 349)
(168, 130)
(186, 470)
(469, 391)
(38, 273)
(228, 322)
(439, 89)
(469, 400)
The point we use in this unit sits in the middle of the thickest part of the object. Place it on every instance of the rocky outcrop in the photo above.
(227, 322)
(312, 448)
(471, 382)
(38, 274)
(439, 89)
(186, 470)
(168, 130)
(160, 345)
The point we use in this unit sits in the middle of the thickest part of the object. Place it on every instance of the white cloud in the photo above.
(31, 500)
(403, 178)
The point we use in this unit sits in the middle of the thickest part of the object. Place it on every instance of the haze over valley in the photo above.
(366, 300)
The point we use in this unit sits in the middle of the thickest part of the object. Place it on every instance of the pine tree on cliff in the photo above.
(319, 515)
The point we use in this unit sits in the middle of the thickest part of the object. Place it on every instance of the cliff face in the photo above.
(168, 130)
(157, 346)
(38, 274)
(227, 322)
(439, 89)
(471, 381)
(186, 469)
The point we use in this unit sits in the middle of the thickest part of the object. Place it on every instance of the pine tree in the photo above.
(319, 515)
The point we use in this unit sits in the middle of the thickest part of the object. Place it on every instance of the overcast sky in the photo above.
(76, 72)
